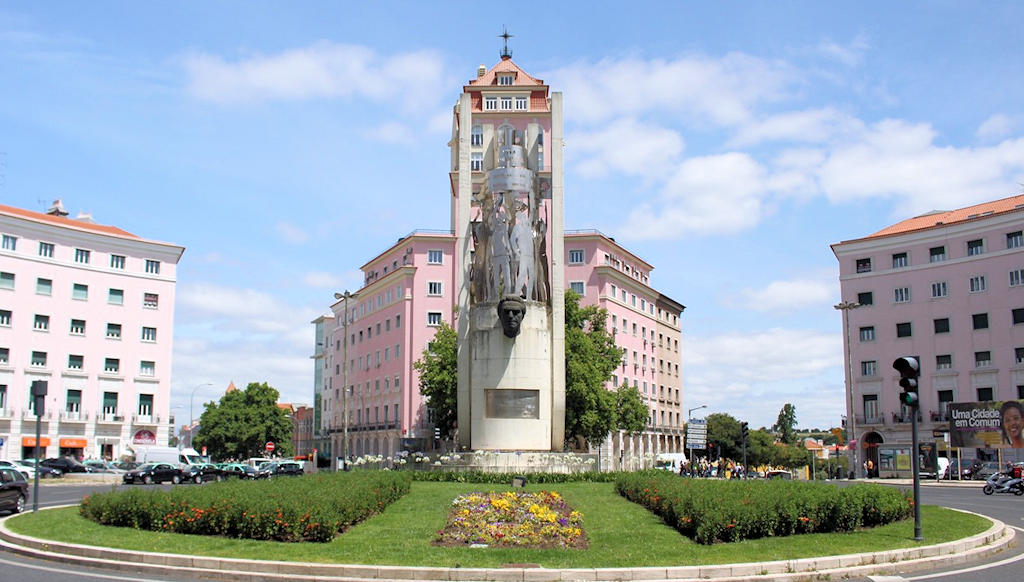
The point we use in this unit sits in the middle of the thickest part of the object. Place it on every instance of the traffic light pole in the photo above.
(916, 468)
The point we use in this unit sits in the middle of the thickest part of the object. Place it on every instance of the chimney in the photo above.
(85, 217)
(481, 71)
(57, 209)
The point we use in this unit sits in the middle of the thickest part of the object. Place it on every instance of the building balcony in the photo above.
(936, 416)
(904, 418)
(110, 417)
(6, 413)
(146, 419)
(73, 416)
(878, 420)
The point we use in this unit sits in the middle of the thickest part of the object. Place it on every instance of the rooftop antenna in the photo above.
(505, 54)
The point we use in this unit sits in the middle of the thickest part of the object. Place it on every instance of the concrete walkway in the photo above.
(996, 539)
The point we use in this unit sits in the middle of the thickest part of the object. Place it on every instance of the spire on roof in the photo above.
(505, 53)
(57, 209)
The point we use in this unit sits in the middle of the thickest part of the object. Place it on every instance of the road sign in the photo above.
(270, 446)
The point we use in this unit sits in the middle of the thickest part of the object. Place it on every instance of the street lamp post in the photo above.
(688, 418)
(344, 379)
(845, 307)
(191, 418)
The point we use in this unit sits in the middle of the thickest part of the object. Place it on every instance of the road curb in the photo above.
(977, 547)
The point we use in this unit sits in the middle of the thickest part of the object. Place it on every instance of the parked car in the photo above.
(65, 464)
(44, 471)
(281, 468)
(778, 475)
(153, 473)
(202, 472)
(13, 490)
(239, 471)
(27, 472)
(101, 466)
(126, 465)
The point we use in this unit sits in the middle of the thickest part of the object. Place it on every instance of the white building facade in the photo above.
(89, 309)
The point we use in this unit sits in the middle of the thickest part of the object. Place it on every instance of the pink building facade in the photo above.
(410, 288)
(947, 288)
(89, 309)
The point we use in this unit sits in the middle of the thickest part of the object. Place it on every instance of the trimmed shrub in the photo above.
(506, 478)
(310, 508)
(710, 511)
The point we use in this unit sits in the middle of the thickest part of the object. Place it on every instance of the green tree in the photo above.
(240, 425)
(760, 448)
(724, 431)
(785, 426)
(630, 410)
(590, 358)
(439, 383)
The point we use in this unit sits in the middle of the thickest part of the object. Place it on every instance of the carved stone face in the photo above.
(511, 311)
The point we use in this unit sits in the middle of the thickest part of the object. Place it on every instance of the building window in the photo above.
(476, 162)
(149, 334)
(520, 103)
(150, 300)
(82, 256)
(1018, 355)
(111, 365)
(434, 288)
(982, 359)
(868, 368)
(870, 406)
(578, 286)
(115, 297)
(506, 80)
(46, 250)
(75, 362)
(940, 289)
(77, 327)
(901, 295)
(944, 362)
(978, 284)
(5, 317)
(936, 254)
(1016, 277)
(490, 103)
(899, 260)
(109, 404)
(113, 331)
(506, 103)
(867, 334)
(44, 286)
(116, 261)
(147, 368)
(1014, 240)
(41, 323)
(903, 329)
(6, 280)
(980, 320)
(866, 298)
(476, 136)
(434, 318)
(984, 394)
(145, 405)
(576, 257)
(975, 247)
(863, 265)
(1018, 316)
(152, 267)
(435, 257)
(5, 355)
(941, 325)
(10, 243)
(79, 291)
(38, 360)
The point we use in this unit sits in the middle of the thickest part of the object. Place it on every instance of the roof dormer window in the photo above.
(507, 79)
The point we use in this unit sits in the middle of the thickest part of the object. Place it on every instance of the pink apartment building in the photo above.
(410, 288)
(88, 308)
(948, 288)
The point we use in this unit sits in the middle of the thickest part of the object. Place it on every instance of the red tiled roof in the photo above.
(67, 222)
(943, 218)
(506, 66)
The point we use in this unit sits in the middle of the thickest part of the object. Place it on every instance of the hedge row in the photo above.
(711, 510)
(506, 478)
(309, 508)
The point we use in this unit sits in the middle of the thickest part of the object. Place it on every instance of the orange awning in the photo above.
(73, 443)
(31, 441)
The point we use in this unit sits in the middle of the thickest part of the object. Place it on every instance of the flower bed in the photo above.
(539, 519)
(712, 510)
(310, 508)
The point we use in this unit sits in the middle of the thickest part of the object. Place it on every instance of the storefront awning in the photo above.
(31, 441)
(73, 443)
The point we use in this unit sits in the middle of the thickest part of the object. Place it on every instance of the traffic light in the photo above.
(745, 430)
(909, 370)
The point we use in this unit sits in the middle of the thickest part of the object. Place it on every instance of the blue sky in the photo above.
(726, 143)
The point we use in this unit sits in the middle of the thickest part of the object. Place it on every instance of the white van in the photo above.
(670, 461)
(173, 455)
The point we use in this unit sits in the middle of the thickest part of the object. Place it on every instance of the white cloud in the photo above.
(291, 233)
(707, 195)
(851, 54)
(322, 279)
(997, 127)
(391, 132)
(323, 70)
(625, 146)
(811, 126)
(720, 90)
(790, 295)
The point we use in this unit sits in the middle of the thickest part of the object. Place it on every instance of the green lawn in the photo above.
(621, 534)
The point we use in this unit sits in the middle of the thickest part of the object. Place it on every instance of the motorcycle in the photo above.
(1003, 483)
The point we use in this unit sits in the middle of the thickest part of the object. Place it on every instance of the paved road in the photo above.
(1006, 567)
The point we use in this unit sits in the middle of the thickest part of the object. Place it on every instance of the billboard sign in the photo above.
(992, 424)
